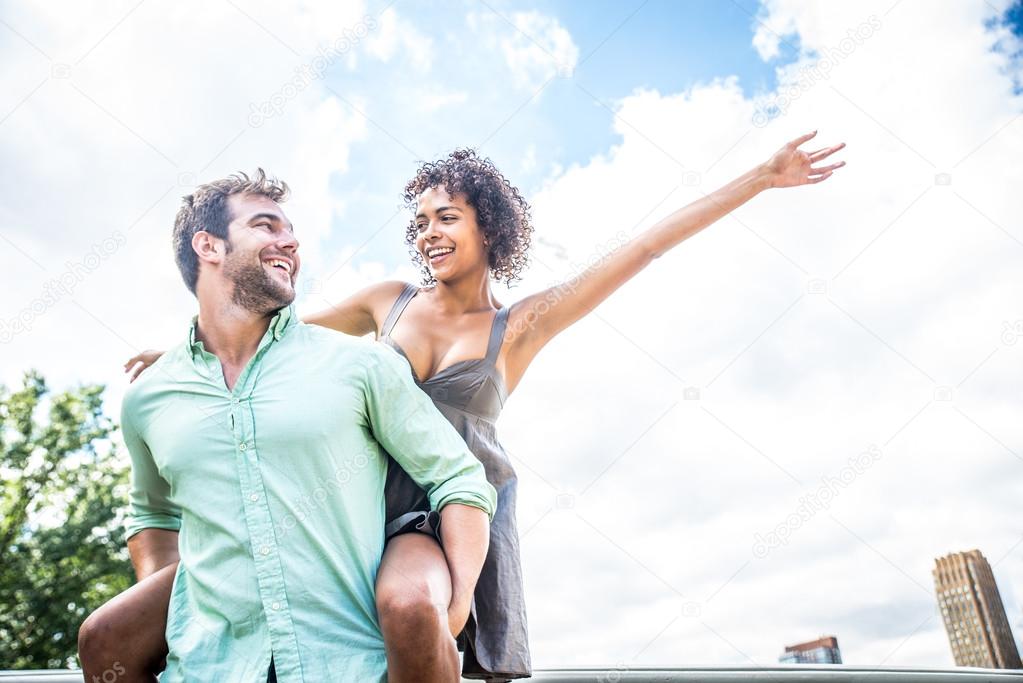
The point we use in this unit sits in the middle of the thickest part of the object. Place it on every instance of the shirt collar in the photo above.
(283, 320)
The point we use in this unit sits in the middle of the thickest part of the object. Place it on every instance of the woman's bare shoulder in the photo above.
(379, 297)
(384, 292)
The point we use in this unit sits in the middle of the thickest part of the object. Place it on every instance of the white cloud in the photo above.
(539, 50)
(528, 162)
(430, 100)
(921, 280)
(396, 34)
(536, 47)
(124, 123)
(773, 27)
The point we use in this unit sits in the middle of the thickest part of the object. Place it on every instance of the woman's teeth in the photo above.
(439, 251)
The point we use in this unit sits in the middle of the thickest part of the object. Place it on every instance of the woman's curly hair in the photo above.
(501, 212)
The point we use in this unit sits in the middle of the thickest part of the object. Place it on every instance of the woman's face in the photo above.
(447, 235)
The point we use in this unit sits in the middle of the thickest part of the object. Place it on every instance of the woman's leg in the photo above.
(413, 592)
(125, 637)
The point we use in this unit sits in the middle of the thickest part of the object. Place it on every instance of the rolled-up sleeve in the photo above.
(149, 503)
(405, 421)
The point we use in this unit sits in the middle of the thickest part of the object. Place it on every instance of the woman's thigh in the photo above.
(413, 569)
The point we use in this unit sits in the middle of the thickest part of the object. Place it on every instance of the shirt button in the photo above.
(242, 446)
(276, 605)
(265, 550)
(254, 497)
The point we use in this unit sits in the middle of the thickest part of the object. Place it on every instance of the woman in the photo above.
(469, 352)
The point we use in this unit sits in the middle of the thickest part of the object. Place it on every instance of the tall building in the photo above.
(824, 650)
(972, 609)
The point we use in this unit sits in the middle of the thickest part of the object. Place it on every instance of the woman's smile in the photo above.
(437, 255)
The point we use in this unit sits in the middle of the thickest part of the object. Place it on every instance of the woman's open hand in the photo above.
(139, 362)
(791, 166)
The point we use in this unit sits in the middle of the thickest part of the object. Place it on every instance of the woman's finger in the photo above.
(802, 138)
(825, 169)
(826, 152)
(134, 370)
(820, 178)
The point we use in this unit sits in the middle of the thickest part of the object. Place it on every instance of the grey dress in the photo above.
(470, 394)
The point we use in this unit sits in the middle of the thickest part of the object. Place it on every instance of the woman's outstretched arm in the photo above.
(564, 304)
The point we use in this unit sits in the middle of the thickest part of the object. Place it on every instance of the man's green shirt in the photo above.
(276, 488)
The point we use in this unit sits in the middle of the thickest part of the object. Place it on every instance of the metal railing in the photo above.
(798, 673)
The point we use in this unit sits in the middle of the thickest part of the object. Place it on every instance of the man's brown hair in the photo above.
(206, 209)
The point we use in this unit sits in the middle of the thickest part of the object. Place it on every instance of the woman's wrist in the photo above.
(762, 178)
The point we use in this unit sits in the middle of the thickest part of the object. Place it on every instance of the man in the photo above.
(258, 460)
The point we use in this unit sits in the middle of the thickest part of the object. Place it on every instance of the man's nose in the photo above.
(288, 241)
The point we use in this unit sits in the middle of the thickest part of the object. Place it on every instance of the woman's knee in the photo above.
(410, 602)
(413, 586)
(98, 635)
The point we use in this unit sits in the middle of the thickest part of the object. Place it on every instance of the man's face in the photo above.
(262, 259)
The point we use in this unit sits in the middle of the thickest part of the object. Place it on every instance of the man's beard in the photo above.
(254, 289)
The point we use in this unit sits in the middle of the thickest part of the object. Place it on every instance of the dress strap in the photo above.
(497, 334)
(398, 308)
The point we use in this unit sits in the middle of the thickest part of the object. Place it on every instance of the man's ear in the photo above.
(208, 248)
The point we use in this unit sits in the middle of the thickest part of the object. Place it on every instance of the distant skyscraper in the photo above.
(824, 650)
(972, 609)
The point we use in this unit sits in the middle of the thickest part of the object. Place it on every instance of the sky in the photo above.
(769, 435)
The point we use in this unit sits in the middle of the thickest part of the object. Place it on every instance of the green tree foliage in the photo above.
(61, 550)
